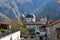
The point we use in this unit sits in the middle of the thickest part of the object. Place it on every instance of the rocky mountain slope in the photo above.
(14, 8)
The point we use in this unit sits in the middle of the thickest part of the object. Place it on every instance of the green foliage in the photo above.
(22, 27)
(23, 30)
(4, 30)
(31, 30)
(18, 26)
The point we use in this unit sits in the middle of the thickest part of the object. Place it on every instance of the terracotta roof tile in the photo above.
(50, 23)
(54, 22)
(33, 23)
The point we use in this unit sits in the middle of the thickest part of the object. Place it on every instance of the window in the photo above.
(37, 33)
(3, 26)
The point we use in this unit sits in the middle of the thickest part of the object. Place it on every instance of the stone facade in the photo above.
(54, 32)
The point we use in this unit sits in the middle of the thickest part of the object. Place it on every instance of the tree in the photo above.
(19, 25)
(23, 29)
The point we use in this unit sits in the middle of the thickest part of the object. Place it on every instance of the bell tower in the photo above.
(30, 17)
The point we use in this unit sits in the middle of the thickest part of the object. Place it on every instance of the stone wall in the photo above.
(53, 32)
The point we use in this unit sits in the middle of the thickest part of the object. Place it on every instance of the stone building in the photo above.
(37, 25)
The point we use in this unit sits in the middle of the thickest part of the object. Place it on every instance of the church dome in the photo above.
(30, 16)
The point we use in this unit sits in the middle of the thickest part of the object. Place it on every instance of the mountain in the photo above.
(14, 8)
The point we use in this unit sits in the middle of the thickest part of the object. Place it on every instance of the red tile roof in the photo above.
(54, 22)
(50, 23)
(33, 23)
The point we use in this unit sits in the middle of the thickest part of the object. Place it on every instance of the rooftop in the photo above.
(49, 23)
(33, 23)
(53, 22)
(30, 16)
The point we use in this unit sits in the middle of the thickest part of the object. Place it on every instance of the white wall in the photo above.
(30, 26)
(48, 33)
(14, 36)
(30, 19)
(43, 20)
